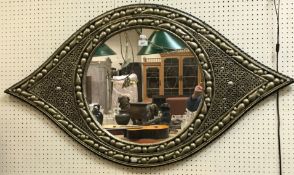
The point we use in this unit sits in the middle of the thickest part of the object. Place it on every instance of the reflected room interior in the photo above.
(139, 84)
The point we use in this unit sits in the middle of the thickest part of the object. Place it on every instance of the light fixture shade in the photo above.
(104, 50)
(161, 42)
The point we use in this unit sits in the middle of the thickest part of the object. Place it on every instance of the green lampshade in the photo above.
(103, 50)
(161, 42)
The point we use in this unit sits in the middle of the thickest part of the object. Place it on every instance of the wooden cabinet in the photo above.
(174, 74)
(151, 78)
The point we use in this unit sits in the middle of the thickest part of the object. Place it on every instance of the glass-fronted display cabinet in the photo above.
(171, 76)
(152, 81)
(190, 75)
(174, 74)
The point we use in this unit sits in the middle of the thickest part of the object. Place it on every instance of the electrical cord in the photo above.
(128, 39)
(277, 10)
(122, 55)
(121, 51)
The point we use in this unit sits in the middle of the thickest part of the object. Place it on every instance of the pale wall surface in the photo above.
(31, 144)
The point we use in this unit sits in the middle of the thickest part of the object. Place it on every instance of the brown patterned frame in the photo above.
(234, 82)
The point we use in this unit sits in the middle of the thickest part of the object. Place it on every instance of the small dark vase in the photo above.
(96, 112)
(122, 118)
(166, 115)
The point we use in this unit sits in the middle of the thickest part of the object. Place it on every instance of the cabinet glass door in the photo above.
(171, 77)
(189, 75)
(152, 81)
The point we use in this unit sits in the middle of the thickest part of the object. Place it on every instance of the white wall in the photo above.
(31, 144)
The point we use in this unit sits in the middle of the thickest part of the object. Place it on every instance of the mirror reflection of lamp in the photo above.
(161, 42)
(103, 50)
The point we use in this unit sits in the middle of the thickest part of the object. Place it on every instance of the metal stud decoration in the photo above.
(234, 82)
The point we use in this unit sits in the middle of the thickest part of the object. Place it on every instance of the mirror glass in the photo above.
(143, 85)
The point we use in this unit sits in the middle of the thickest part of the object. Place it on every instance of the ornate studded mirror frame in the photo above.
(234, 82)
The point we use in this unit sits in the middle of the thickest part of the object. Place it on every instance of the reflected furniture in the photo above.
(173, 74)
(148, 132)
(136, 132)
(177, 105)
(99, 82)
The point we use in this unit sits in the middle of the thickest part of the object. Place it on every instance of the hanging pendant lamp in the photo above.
(104, 50)
(161, 42)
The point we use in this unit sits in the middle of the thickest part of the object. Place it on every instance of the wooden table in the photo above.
(137, 132)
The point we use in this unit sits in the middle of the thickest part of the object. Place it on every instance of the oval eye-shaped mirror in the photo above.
(143, 85)
(146, 85)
